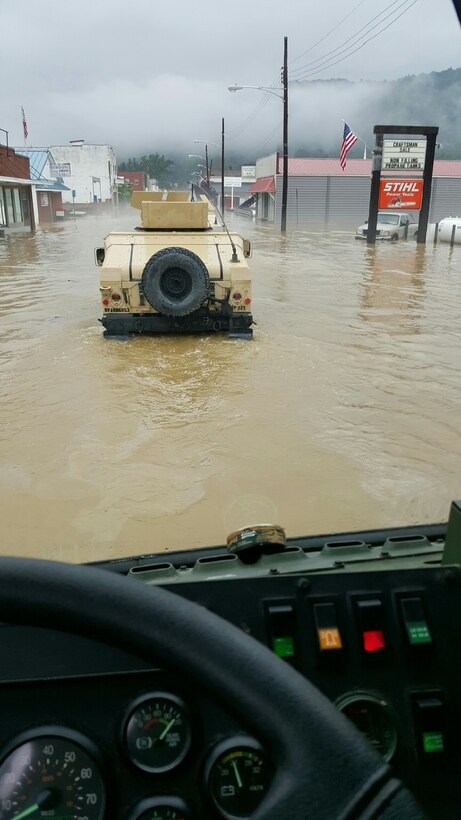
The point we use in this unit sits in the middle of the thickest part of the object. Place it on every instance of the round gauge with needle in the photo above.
(238, 775)
(51, 773)
(157, 733)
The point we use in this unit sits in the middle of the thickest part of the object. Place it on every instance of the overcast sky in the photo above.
(153, 75)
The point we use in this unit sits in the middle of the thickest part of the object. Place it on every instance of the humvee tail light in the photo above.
(116, 297)
(247, 301)
(236, 296)
(105, 301)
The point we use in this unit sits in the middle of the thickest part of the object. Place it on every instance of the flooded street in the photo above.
(344, 412)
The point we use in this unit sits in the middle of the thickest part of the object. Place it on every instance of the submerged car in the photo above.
(390, 227)
(179, 272)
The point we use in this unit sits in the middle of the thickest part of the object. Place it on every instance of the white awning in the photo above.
(18, 181)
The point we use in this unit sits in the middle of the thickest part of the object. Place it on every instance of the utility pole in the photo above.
(207, 167)
(222, 167)
(283, 225)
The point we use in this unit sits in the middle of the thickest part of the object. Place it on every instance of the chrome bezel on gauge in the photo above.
(176, 701)
(236, 743)
(385, 709)
(166, 801)
(74, 737)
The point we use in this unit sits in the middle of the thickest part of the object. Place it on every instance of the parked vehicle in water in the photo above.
(180, 272)
(390, 226)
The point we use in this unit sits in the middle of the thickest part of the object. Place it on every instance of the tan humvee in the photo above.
(180, 272)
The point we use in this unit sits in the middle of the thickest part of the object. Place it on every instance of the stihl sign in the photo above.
(400, 193)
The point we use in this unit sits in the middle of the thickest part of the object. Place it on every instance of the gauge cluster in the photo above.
(88, 732)
(146, 753)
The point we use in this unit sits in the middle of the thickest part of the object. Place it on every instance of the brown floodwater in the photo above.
(344, 412)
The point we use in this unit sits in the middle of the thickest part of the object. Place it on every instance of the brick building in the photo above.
(16, 202)
(138, 180)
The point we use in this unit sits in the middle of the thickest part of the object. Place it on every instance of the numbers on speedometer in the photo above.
(51, 773)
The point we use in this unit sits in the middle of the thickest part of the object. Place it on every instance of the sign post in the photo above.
(232, 182)
(402, 154)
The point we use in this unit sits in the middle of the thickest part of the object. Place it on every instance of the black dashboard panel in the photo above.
(384, 644)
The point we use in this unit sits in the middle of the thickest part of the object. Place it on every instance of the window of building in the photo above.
(44, 202)
(13, 206)
(9, 206)
(18, 215)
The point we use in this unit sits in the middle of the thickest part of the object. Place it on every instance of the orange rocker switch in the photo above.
(326, 622)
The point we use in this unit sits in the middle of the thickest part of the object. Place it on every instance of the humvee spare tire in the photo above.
(175, 281)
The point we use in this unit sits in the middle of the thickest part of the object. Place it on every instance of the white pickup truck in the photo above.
(390, 226)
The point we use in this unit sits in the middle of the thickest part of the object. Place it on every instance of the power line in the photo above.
(262, 144)
(262, 103)
(329, 65)
(354, 37)
(328, 33)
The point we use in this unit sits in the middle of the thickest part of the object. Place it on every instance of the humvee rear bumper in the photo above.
(122, 325)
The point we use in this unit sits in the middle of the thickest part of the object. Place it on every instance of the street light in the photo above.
(284, 97)
(199, 156)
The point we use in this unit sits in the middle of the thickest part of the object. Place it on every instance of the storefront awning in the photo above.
(17, 181)
(265, 185)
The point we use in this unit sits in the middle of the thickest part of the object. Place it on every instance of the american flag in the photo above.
(349, 139)
(24, 124)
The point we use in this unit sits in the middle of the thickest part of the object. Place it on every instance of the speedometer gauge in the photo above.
(48, 774)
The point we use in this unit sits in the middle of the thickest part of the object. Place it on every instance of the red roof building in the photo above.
(321, 193)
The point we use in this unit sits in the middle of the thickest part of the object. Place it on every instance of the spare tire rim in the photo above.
(176, 283)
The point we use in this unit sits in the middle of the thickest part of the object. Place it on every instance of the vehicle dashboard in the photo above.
(377, 631)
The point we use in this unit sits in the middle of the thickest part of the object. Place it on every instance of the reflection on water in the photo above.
(342, 413)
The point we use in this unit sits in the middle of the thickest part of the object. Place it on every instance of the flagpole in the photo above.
(361, 140)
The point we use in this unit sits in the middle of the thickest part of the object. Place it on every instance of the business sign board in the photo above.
(400, 193)
(248, 173)
(233, 182)
(60, 169)
(403, 155)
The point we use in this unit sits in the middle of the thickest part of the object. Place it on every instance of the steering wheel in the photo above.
(324, 769)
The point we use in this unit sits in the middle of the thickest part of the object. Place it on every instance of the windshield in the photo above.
(390, 219)
(342, 412)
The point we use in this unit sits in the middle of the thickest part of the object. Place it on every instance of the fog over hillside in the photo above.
(315, 126)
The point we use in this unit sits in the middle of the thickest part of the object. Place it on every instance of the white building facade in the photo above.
(88, 170)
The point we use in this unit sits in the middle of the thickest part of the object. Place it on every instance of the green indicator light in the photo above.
(433, 742)
(419, 633)
(284, 647)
